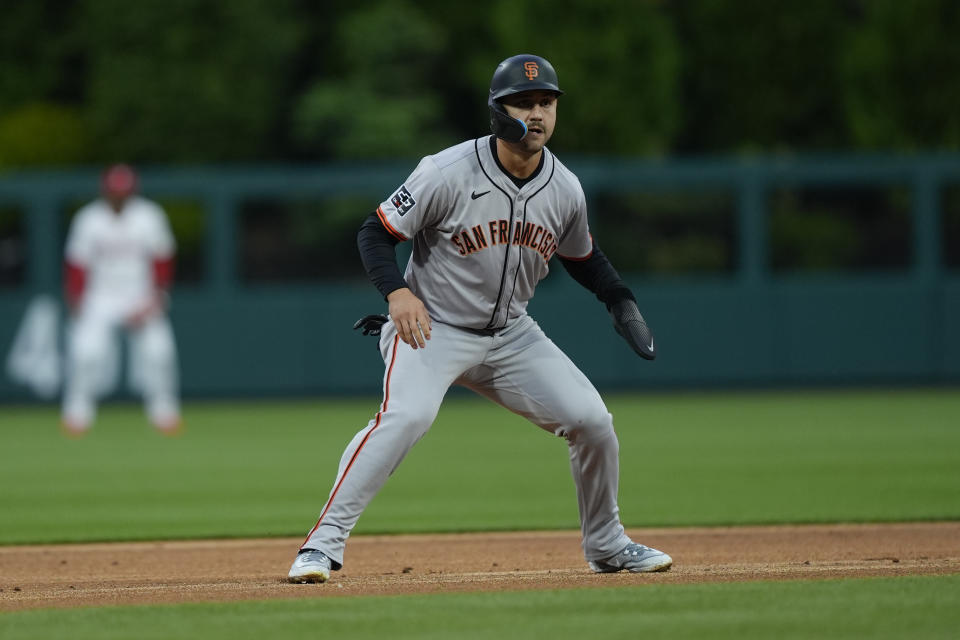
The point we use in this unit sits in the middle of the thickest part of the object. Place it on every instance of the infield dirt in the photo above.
(57, 576)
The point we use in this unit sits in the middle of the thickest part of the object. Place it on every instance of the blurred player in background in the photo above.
(118, 272)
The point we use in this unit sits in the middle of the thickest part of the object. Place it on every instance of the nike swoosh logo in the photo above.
(475, 195)
(651, 344)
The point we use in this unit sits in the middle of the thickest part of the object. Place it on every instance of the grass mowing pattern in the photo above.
(908, 607)
(264, 469)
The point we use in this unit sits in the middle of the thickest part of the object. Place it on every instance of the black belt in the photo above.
(482, 332)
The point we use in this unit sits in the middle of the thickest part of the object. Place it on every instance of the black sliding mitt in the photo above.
(630, 324)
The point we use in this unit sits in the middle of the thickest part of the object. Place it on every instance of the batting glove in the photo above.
(371, 324)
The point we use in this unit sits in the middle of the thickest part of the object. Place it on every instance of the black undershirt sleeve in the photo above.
(598, 275)
(378, 252)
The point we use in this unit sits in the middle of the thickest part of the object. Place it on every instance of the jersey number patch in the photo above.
(402, 200)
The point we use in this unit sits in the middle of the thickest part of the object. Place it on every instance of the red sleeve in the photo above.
(74, 280)
(163, 272)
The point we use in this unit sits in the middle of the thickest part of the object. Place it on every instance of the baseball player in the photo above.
(485, 218)
(118, 271)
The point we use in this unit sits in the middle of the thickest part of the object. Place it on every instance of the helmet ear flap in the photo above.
(505, 126)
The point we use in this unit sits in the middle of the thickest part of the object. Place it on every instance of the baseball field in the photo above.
(788, 514)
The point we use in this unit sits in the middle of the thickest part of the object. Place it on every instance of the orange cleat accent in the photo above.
(170, 428)
(73, 429)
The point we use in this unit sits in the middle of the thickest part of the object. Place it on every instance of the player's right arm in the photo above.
(420, 202)
(78, 254)
(378, 253)
(74, 283)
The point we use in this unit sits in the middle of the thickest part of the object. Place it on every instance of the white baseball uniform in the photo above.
(117, 252)
(480, 246)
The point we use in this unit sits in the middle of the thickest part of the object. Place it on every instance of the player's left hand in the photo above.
(630, 324)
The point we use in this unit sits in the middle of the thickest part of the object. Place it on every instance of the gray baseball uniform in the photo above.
(480, 246)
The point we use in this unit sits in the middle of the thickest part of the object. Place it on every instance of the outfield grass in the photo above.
(264, 468)
(908, 607)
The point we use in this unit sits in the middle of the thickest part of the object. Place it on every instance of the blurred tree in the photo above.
(900, 74)
(194, 81)
(465, 69)
(187, 80)
(40, 135)
(760, 75)
(617, 61)
(40, 120)
(35, 47)
(383, 94)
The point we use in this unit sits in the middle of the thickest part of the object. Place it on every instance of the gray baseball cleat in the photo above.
(635, 558)
(310, 566)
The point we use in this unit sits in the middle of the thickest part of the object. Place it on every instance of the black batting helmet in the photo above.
(525, 72)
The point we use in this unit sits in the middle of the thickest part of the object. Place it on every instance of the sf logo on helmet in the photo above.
(531, 69)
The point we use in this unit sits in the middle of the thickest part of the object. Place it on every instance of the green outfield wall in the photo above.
(750, 322)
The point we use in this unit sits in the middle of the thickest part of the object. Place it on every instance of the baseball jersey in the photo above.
(118, 249)
(480, 243)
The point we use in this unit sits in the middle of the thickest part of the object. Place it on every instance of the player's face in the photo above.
(538, 110)
(117, 184)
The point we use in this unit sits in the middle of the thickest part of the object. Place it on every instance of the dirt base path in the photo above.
(219, 570)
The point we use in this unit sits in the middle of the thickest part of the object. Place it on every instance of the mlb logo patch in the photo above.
(402, 200)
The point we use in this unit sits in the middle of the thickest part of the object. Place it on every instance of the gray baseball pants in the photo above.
(507, 367)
